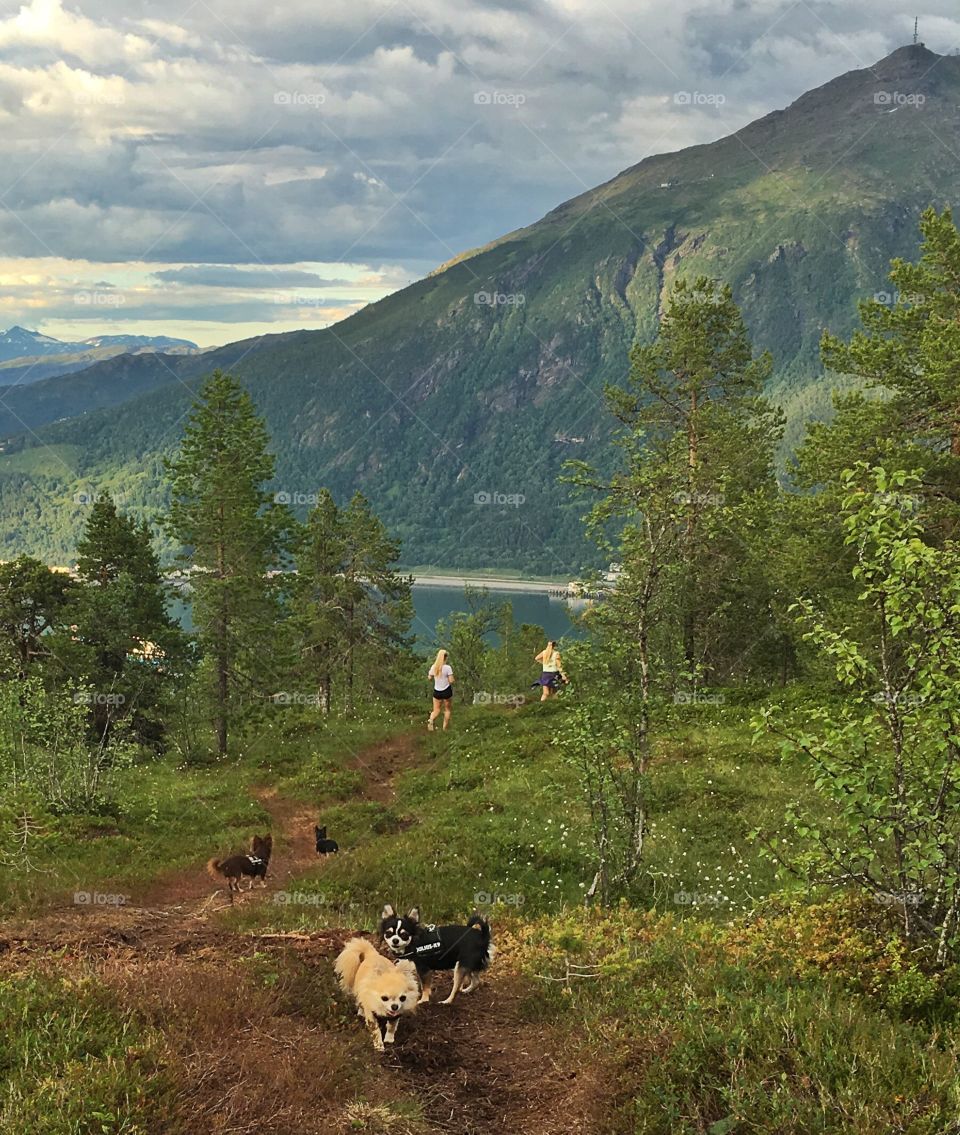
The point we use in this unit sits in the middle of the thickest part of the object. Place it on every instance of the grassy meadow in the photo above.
(720, 1000)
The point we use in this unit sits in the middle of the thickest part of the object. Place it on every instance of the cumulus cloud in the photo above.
(216, 144)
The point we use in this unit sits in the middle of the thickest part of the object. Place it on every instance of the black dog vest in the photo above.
(426, 943)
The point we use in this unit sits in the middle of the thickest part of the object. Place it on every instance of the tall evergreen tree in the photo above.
(378, 600)
(123, 641)
(909, 348)
(906, 415)
(233, 533)
(319, 596)
(353, 608)
(685, 515)
(688, 506)
(33, 599)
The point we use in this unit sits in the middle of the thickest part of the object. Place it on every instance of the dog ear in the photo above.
(387, 912)
(414, 914)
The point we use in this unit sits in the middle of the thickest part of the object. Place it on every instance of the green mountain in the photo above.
(453, 403)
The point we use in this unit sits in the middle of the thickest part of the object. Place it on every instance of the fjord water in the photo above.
(433, 603)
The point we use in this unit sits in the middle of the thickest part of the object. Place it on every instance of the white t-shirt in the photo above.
(441, 681)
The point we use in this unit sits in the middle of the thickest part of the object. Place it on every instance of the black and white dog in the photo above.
(467, 950)
(325, 846)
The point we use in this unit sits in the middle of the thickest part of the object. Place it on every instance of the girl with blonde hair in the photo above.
(442, 675)
(552, 670)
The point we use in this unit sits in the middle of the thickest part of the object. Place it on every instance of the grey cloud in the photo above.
(393, 160)
(227, 276)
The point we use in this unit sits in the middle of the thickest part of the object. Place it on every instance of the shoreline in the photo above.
(491, 583)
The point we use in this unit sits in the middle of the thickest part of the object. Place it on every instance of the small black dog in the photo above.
(325, 846)
(467, 950)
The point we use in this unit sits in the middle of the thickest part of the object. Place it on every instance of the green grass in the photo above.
(499, 811)
(729, 1015)
(747, 1011)
(171, 817)
(73, 1063)
(709, 1035)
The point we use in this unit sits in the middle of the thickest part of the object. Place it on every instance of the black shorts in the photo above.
(442, 695)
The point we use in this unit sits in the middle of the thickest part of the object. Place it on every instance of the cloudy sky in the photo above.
(221, 168)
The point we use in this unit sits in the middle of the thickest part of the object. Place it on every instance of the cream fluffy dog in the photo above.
(382, 990)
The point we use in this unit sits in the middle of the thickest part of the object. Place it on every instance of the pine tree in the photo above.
(123, 641)
(33, 599)
(319, 592)
(689, 502)
(378, 604)
(233, 533)
(906, 416)
(910, 346)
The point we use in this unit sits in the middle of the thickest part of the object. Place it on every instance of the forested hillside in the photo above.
(487, 376)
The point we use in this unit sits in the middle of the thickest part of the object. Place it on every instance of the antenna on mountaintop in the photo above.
(916, 20)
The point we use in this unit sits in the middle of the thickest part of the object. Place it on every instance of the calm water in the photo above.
(434, 603)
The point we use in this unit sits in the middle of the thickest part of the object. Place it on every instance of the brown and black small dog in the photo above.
(254, 864)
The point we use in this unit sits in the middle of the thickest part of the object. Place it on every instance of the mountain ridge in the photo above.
(461, 384)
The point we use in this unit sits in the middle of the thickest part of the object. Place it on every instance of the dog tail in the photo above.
(349, 961)
(213, 869)
(479, 923)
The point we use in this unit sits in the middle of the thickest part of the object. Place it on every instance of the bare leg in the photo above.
(437, 706)
(447, 714)
(544, 693)
(457, 982)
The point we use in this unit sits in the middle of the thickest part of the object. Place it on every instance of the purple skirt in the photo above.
(550, 678)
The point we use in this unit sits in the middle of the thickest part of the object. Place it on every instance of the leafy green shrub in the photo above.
(44, 749)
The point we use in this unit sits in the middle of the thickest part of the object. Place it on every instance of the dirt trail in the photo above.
(475, 1066)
